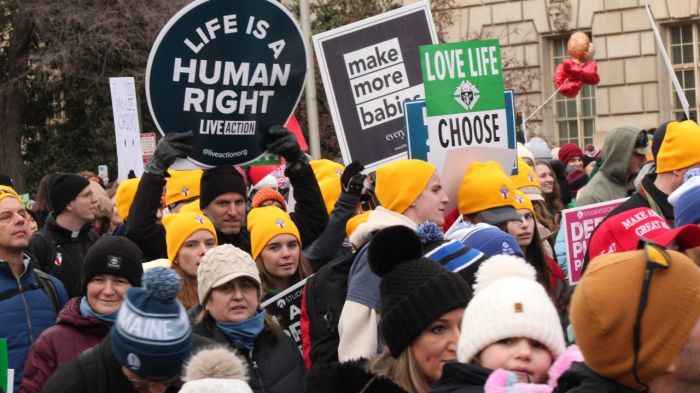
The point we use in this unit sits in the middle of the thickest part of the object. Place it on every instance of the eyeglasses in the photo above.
(139, 381)
(656, 257)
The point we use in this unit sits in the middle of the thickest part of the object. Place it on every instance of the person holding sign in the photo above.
(410, 192)
(276, 249)
(230, 289)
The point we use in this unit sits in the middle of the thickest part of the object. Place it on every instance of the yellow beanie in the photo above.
(125, 195)
(523, 202)
(355, 221)
(603, 313)
(328, 174)
(484, 187)
(399, 184)
(191, 207)
(527, 181)
(680, 147)
(264, 223)
(10, 192)
(182, 185)
(180, 226)
(526, 176)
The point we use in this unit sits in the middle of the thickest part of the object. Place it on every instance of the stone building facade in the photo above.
(635, 86)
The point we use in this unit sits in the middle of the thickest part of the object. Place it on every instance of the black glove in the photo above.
(352, 180)
(171, 146)
(284, 143)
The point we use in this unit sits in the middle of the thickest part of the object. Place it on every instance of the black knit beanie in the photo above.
(115, 255)
(6, 180)
(220, 180)
(63, 188)
(415, 291)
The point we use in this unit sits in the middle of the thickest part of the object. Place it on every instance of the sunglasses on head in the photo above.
(656, 258)
(643, 140)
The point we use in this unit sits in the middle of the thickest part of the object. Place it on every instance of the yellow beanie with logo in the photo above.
(180, 226)
(182, 185)
(125, 196)
(264, 223)
(484, 187)
(680, 147)
(400, 183)
(9, 192)
(523, 202)
(328, 174)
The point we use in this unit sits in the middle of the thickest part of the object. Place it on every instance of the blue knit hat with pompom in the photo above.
(152, 336)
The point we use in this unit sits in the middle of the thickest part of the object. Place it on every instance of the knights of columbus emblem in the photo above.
(466, 95)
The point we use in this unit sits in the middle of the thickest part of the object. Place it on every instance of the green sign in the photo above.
(3, 364)
(462, 77)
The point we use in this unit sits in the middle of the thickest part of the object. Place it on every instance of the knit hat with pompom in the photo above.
(215, 369)
(508, 302)
(415, 291)
(152, 335)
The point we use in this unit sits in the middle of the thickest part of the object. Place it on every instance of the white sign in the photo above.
(126, 126)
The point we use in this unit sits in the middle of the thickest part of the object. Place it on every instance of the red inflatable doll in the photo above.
(579, 69)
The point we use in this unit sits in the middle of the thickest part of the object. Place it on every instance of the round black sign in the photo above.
(227, 70)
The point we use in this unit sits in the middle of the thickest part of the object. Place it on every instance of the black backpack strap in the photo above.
(51, 247)
(49, 288)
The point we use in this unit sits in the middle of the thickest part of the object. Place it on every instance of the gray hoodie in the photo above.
(613, 181)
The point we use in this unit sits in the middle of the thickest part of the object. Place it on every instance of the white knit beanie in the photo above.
(508, 302)
(215, 370)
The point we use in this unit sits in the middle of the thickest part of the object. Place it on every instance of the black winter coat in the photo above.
(349, 377)
(63, 257)
(580, 379)
(97, 371)
(94, 371)
(461, 378)
(275, 364)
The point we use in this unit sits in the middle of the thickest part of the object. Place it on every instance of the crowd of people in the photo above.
(156, 284)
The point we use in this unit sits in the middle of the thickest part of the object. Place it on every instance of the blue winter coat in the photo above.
(25, 315)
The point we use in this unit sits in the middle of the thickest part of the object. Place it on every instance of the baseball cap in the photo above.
(623, 231)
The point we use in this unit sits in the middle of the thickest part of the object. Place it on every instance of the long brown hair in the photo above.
(402, 370)
(304, 270)
(188, 288)
(552, 200)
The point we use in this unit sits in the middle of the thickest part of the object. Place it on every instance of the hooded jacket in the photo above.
(461, 378)
(613, 181)
(72, 334)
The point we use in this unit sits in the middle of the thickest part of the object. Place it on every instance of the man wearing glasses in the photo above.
(636, 319)
(624, 153)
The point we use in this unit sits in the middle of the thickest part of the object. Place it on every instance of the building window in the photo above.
(684, 41)
(574, 117)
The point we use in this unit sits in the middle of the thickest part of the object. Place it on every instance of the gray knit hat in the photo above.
(222, 264)
(539, 148)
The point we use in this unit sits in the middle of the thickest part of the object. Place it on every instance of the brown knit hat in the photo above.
(604, 308)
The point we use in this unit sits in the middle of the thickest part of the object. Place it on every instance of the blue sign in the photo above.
(418, 130)
(227, 70)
